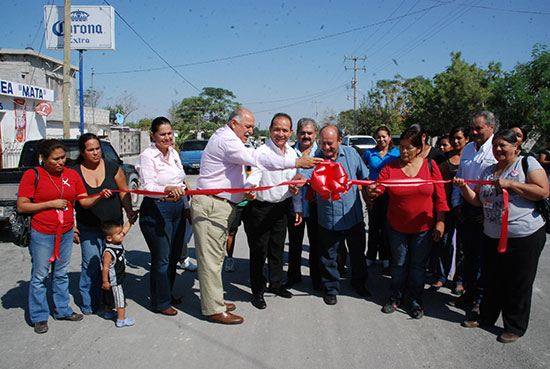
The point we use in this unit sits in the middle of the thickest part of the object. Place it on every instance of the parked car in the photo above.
(191, 154)
(360, 142)
(10, 178)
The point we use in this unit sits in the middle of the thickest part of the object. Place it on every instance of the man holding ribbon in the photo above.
(223, 166)
(476, 157)
(340, 215)
(268, 213)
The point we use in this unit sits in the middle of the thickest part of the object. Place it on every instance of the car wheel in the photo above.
(134, 184)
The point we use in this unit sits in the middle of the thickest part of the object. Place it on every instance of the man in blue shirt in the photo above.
(342, 219)
(306, 133)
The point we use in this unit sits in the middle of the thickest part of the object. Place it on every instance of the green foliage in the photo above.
(522, 97)
(144, 124)
(204, 113)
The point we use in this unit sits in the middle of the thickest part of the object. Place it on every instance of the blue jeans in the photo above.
(329, 241)
(91, 243)
(410, 252)
(41, 249)
(162, 224)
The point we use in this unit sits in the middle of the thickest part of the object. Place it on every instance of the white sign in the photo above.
(92, 27)
(16, 89)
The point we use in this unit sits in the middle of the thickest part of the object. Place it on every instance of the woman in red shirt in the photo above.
(50, 199)
(412, 221)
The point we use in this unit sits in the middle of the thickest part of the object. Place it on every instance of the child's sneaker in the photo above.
(109, 315)
(125, 323)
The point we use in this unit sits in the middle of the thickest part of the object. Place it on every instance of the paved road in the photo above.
(301, 332)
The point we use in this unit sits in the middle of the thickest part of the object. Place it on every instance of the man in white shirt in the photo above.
(267, 214)
(223, 166)
(477, 156)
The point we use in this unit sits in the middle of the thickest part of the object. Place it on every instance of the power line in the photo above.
(153, 50)
(263, 51)
(492, 8)
(315, 94)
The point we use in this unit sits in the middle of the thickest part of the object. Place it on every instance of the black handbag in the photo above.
(542, 206)
(20, 223)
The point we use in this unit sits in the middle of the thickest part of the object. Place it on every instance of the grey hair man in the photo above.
(477, 156)
(223, 166)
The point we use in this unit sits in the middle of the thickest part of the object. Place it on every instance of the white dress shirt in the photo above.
(260, 178)
(224, 159)
(472, 164)
(156, 172)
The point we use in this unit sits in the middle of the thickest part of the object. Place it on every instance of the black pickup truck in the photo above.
(10, 178)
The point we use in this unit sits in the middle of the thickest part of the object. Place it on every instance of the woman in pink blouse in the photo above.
(162, 219)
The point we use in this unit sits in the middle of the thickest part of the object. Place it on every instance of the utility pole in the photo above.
(354, 86)
(66, 69)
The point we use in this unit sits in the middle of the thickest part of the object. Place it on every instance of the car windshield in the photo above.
(193, 145)
(362, 141)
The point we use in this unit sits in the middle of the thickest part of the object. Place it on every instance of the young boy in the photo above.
(114, 266)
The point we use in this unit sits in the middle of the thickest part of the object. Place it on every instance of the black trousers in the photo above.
(472, 247)
(295, 239)
(266, 232)
(509, 279)
(378, 243)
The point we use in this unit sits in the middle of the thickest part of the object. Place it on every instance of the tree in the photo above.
(203, 114)
(91, 97)
(124, 104)
(453, 95)
(144, 124)
(522, 97)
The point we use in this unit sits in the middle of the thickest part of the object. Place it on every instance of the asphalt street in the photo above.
(301, 332)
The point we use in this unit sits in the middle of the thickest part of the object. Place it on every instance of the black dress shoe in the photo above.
(258, 301)
(330, 299)
(41, 327)
(74, 317)
(281, 291)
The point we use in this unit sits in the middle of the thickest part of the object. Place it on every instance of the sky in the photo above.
(284, 56)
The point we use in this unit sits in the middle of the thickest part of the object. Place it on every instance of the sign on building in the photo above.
(16, 89)
(92, 27)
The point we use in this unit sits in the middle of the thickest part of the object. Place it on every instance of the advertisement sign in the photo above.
(44, 109)
(20, 110)
(15, 89)
(92, 27)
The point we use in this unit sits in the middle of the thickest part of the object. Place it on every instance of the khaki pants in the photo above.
(211, 218)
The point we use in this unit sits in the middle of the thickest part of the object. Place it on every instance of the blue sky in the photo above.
(308, 79)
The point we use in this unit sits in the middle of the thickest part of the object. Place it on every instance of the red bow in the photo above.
(329, 179)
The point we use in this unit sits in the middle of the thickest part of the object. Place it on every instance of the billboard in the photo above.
(92, 27)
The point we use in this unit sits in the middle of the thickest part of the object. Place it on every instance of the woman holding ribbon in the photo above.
(48, 192)
(376, 158)
(97, 174)
(162, 220)
(412, 221)
(509, 270)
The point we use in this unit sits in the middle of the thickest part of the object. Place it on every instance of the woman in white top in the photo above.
(509, 276)
(162, 219)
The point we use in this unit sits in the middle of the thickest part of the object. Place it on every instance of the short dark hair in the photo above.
(157, 122)
(280, 115)
(45, 147)
(459, 128)
(414, 135)
(108, 227)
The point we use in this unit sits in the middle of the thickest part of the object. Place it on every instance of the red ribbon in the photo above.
(330, 180)
(58, 234)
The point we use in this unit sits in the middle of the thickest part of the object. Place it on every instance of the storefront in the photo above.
(23, 112)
